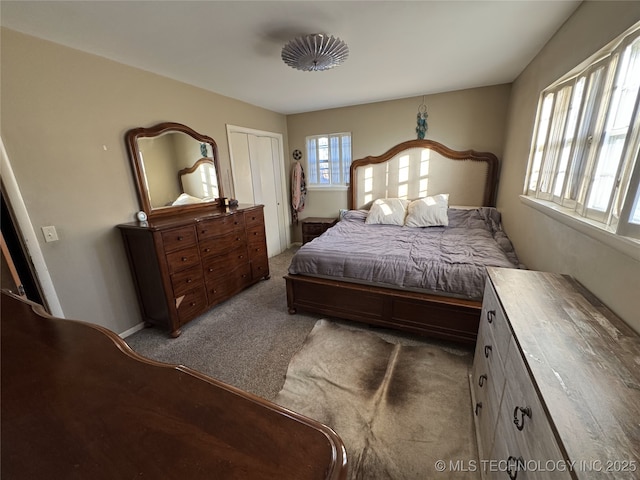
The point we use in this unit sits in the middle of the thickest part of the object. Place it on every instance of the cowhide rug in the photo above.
(398, 409)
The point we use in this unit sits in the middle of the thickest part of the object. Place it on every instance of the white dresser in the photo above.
(555, 382)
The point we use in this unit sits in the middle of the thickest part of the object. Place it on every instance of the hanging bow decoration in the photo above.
(421, 127)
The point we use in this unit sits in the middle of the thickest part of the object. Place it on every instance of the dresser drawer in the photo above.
(256, 235)
(190, 303)
(220, 226)
(222, 244)
(313, 228)
(220, 266)
(178, 238)
(488, 360)
(185, 280)
(221, 288)
(254, 217)
(495, 321)
(523, 412)
(260, 268)
(487, 385)
(182, 259)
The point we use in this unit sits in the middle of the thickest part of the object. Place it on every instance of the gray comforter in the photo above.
(442, 260)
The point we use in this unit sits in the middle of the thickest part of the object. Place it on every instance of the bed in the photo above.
(411, 250)
(78, 403)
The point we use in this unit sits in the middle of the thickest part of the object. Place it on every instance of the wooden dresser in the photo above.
(555, 382)
(186, 264)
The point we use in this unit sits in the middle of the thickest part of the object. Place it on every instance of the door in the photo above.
(258, 177)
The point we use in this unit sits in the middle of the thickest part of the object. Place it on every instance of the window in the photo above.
(329, 160)
(584, 155)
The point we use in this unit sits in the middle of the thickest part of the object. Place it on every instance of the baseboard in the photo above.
(132, 330)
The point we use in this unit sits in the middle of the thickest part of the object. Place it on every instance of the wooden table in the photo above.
(78, 403)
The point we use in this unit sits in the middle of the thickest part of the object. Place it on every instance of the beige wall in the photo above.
(461, 120)
(541, 242)
(64, 116)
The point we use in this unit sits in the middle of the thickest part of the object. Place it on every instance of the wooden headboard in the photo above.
(418, 168)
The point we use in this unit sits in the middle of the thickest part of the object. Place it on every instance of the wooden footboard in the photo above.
(429, 315)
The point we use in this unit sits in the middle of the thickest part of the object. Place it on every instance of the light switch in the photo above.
(50, 234)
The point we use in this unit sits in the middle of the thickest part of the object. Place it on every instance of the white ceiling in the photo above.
(397, 49)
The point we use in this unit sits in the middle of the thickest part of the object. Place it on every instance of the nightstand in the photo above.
(313, 227)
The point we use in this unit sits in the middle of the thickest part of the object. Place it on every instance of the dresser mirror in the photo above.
(176, 169)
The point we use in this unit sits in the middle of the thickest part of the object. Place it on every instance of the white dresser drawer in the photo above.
(487, 390)
(495, 321)
(524, 440)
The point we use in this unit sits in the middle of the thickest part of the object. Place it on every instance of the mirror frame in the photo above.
(131, 140)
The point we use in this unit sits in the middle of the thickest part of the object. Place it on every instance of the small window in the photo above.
(328, 160)
(585, 146)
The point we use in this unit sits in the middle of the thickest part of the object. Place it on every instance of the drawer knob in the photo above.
(240, 256)
(481, 380)
(189, 280)
(487, 350)
(490, 315)
(193, 304)
(184, 259)
(180, 237)
(517, 464)
(523, 412)
(207, 249)
(478, 407)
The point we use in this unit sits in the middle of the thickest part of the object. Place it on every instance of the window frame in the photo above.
(589, 138)
(338, 169)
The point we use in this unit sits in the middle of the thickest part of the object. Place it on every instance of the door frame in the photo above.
(284, 228)
(28, 234)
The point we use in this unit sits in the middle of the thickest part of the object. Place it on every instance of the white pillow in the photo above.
(428, 211)
(388, 211)
(186, 199)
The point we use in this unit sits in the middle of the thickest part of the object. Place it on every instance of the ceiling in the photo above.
(398, 49)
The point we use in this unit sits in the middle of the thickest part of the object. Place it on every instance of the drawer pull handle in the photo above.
(184, 259)
(207, 249)
(490, 315)
(180, 237)
(517, 463)
(478, 407)
(481, 380)
(525, 412)
(189, 280)
(487, 350)
(240, 256)
(193, 304)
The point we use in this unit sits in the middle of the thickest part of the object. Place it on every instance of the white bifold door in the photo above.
(257, 166)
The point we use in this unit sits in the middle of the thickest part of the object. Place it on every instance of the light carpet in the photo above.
(397, 408)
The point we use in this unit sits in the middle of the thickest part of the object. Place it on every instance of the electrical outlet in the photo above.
(50, 234)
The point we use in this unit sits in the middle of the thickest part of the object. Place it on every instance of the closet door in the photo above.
(257, 165)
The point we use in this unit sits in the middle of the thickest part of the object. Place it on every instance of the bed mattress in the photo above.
(449, 260)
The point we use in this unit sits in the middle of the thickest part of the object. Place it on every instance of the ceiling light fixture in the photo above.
(315, 52)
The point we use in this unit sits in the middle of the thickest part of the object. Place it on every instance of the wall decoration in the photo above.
(297, 155)
(421, 127)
